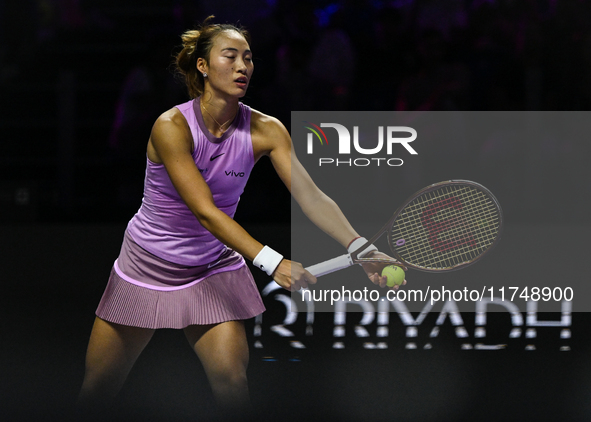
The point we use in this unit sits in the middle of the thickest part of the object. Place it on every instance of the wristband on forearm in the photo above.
(359, 242)
(267, 260)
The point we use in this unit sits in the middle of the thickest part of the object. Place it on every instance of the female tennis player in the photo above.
(182, 264)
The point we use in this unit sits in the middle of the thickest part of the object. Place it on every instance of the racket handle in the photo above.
(331, 265)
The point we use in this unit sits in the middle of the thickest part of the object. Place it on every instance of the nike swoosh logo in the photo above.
(213, 157)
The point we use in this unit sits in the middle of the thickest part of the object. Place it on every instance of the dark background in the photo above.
(81, 83)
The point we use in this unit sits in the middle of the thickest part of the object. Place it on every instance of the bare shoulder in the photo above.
(170, 131)
(171, 120)
(268, 133)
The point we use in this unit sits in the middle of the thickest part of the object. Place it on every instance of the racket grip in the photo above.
(331, 265)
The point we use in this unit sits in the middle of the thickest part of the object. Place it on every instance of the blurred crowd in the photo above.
(347, 54)
(309, 55)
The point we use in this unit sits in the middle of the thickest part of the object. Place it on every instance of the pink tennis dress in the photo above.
(172, 272)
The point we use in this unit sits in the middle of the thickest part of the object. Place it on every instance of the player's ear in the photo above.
(201, 65)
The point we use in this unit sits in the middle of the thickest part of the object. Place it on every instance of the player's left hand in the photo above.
(292, 276)
(374, 269)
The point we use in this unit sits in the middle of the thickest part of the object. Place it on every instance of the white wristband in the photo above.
(359, 242)
(267, 260)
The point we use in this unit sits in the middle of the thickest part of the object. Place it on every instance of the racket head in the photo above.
(446, 226)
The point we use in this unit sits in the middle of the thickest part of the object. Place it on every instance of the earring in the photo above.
(204, 75)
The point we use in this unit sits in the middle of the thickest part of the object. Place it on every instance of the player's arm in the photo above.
(317, 206)
(272, 139)
(171, 143)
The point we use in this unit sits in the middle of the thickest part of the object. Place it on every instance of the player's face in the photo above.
(230, 65)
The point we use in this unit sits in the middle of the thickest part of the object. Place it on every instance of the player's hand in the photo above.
(374, 269)
(292, 275)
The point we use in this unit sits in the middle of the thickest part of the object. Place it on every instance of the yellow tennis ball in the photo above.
(394, 274)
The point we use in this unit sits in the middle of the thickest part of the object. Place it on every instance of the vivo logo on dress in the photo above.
(233, 173)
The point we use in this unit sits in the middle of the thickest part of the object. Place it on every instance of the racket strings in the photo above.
(455, 233)
(446, 227)
(458, 225)
(466, 228)
(475, 210)
(432, 257)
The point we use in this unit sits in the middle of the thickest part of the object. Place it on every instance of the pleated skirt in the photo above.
(145, 291)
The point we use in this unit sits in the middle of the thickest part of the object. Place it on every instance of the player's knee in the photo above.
(99, 378)
(229, 378)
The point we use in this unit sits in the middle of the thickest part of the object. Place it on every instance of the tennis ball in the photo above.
(394, 274)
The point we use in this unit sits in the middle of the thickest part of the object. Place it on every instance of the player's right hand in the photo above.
(292, 275)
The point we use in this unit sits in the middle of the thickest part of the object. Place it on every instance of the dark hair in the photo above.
(198, 43)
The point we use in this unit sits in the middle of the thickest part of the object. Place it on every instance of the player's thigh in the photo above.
(115, 347)
(222, 348)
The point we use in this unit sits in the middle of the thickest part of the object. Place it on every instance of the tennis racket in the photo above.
(443, 227)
